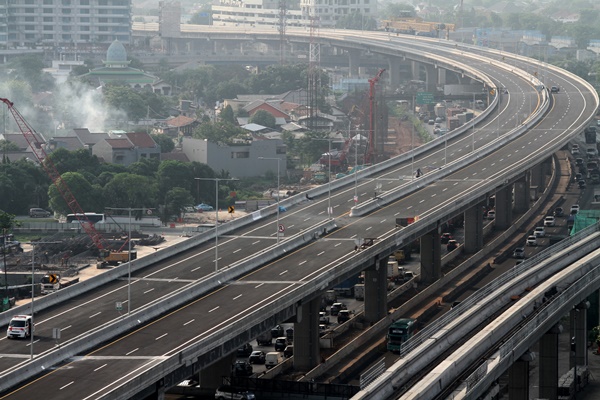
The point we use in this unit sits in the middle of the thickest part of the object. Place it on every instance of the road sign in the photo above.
(149, 212)
(119, 305)
(55, 333)
(53, 278)
(425, 98)
(281, 228)
(231, 209)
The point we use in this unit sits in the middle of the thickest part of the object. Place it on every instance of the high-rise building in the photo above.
(34, 23)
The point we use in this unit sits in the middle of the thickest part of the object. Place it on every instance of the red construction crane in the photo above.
(372, 83)
(54, 175)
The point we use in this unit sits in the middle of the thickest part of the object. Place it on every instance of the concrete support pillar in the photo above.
(212, 376)
(159, 392)
(431, 257)
(376, 291)
(306, 336)
(518, 380)
(578, 318)
(431, 78)
(353, 62)
(394, 71)
(441, 76)
(504, 207)
(474, 229)
(415, 70)
(536, 176)
(548, 364)
(522, 197)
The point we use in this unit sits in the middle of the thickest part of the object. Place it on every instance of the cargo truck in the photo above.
(359, 291)
(346, 288)
(52, 282)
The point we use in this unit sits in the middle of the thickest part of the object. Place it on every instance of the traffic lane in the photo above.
(83, 378)
(86, 315)
(196, 321)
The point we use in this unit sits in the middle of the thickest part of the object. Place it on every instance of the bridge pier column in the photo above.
(306, 336)
(431, 257)
(548, 364)
(536, 175)
(578, 318)
(353, 62)
(212, 377)
(431, 73)
(441, 76)
(522, 198)
(376, 291)
(518, 378)
(394, 71)
(474, 229)
(415, 70)
(159, 392)
(504, 207)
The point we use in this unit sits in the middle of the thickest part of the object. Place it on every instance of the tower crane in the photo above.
(106, 255)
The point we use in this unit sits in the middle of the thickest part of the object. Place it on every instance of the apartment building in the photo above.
(61, 23)
(297, 13)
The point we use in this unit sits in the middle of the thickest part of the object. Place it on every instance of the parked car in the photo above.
(519, 252)
(280, 343)
(549, 221)
(445, 237)
(323, 318)
(288, 351)
(336, 307)
(242, 368)
(226, 392)
(531, 240)
(451, 245)
(559, 212)
(39, 213)
(539, 231)
(204, 207)
(574, 209)
(257, 357)
(245, 350)
(343, 316)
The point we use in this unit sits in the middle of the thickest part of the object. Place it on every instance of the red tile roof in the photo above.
(141, 139)
(180, 121)
(119, 143)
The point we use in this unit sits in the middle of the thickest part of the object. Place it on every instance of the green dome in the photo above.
(116, 53)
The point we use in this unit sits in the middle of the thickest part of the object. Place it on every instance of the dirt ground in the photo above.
(403, 139)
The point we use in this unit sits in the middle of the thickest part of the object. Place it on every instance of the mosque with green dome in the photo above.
(116, 69)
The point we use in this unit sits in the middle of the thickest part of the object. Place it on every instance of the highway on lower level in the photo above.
(96, 374)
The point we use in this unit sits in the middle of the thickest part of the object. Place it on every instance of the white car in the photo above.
(20, 326)
(549, 221)
(531, 240)
(539, 231)
(491, 214)
(574, 209)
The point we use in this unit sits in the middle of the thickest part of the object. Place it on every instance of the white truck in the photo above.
(359, 291)
(392, 270)
(52, 282)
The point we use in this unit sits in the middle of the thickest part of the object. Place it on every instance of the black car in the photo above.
(554, 89)
(581, 183)
(559, 212)
(343, 316)
(257, 357)
(452, 245)
(445, 237)
(288, 351)
(336, 307)
(245, 350)
(242, 368)
(277, 331)
(280, 343)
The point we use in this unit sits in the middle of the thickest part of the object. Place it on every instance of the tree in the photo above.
(166, 143)
(130, 190)
(145, 167)
(176, 199)
(264, 118)
(7, 146)
(226, 115)
(173, 174)
(88, 197)
(122, 97)
(72, 161)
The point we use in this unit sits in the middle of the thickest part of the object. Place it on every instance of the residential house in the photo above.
(240, 160)
(89, 139)
(126, 149)
(177, 126)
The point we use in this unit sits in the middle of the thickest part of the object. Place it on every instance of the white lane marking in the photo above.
(189, 322)
(291, 226)
(196, 269)
(161, 336)
(237, 297)
(382, 221)
(235, 251)
(214, 309)
(100, 367)
(68, 384)
(132, 351)
(336, 245)
(320, 253)
(93, 315)
(66, 327)
(368, 228)
(259, 285)
(258, 241)
(302, 262)
(284, 272)
(149, 290)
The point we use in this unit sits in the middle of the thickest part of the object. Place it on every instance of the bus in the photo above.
(400, 331)
(94, 218)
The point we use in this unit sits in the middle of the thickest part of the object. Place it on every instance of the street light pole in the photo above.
(129, 210)
(329, 210)
(216, 180)
(278, 193)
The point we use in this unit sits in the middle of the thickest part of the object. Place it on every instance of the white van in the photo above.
(272, 359)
